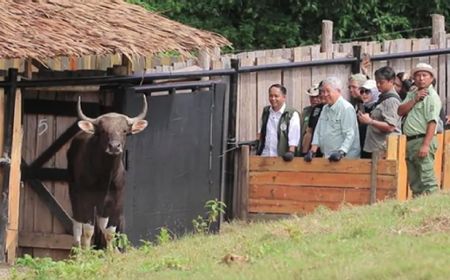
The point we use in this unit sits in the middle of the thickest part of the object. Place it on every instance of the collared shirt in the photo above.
(386, 111)
(271, 144)
(422, 113)
(337, 129)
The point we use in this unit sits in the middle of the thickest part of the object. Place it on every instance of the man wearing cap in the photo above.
(422, 107)
(280, 126)
(336, 133)
(383, 119)
(310, 116)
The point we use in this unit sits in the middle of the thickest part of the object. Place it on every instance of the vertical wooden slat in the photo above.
(304, 54)
(439, 158)
(242, 187)
(43, 219)
(292, 79)
(402, 175)
(373, 177)
(29, 153)
(61, 191)
(446, 162)
(392, 146)
(246, 106)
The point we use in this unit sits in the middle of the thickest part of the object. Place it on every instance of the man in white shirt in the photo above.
(336, 132)
(280, 126)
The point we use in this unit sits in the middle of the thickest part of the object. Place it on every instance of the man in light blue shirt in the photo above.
(336, 132)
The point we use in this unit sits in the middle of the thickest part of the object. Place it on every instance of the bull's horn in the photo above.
(80, 112)
(142, 115)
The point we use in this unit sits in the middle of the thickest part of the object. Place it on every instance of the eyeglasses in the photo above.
(366, 91)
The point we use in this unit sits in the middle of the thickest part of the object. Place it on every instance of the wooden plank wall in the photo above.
(297, 187)
(277, 187)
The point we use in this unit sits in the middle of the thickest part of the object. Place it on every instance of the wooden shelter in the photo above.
(47, 39)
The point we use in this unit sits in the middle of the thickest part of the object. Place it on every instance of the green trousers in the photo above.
(421, 176)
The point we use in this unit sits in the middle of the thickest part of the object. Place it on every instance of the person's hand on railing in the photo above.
(309, 156)
(336, 155)
(288, 156)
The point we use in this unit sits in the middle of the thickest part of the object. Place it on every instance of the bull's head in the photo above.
(112, 128)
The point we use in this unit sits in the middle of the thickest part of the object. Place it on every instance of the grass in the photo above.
(389, 240)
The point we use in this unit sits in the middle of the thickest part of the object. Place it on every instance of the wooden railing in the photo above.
(271, 186)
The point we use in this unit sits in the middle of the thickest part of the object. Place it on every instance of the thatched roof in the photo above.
(50, 28)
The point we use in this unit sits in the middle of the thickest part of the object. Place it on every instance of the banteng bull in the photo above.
(97, 175)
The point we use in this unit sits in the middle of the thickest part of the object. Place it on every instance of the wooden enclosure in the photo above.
(268, 185)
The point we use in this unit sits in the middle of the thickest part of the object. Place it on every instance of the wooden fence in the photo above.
(252, 87)
(268, 185)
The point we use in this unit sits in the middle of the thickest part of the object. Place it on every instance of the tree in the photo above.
(261, 24)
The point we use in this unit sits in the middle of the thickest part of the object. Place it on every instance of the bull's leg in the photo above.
(77, 230)
(88, 232)
(102, 223)
(109, 234)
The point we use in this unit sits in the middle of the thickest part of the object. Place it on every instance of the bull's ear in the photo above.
(138, 126)
(86, 126)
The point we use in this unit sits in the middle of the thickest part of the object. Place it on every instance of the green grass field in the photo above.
(389, 240)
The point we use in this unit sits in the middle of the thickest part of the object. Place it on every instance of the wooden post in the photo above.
(446, 162)
(12, 233)
(9, 205)
(241, 194)
(396, 150)
(326, 44)
(204, 61)
(373, 177)
(438, 27)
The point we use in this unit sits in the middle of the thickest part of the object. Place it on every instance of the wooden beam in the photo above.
(242, 196)
(52, 204)
(55, 146)
(62, 108)
(41, 66)
(44, 174)
(446, 162)
(10, 107)
(402, 172)
(14, 181)
(45, 240)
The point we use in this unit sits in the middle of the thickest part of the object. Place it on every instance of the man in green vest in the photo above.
(422, 107)
(280, 126)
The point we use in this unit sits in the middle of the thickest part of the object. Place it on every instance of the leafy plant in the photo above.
(164, 236)
(121, 241)
(214, 209)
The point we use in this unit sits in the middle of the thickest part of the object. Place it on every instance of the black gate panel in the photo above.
(174, 165)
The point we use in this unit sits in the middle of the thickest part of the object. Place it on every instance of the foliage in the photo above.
(389, 240)
(214, 209)
(121, 241)
(262, 24)
(164, 236)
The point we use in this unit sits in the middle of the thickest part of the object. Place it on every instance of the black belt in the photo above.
(409, 138)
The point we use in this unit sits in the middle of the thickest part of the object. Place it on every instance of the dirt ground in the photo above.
(4, 271)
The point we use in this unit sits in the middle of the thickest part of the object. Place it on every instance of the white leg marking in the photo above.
(88, 232)
(102, 223)
(77, 230)
(109, 235)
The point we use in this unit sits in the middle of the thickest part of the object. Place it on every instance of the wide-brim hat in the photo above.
(313, 91)
(423, 67)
